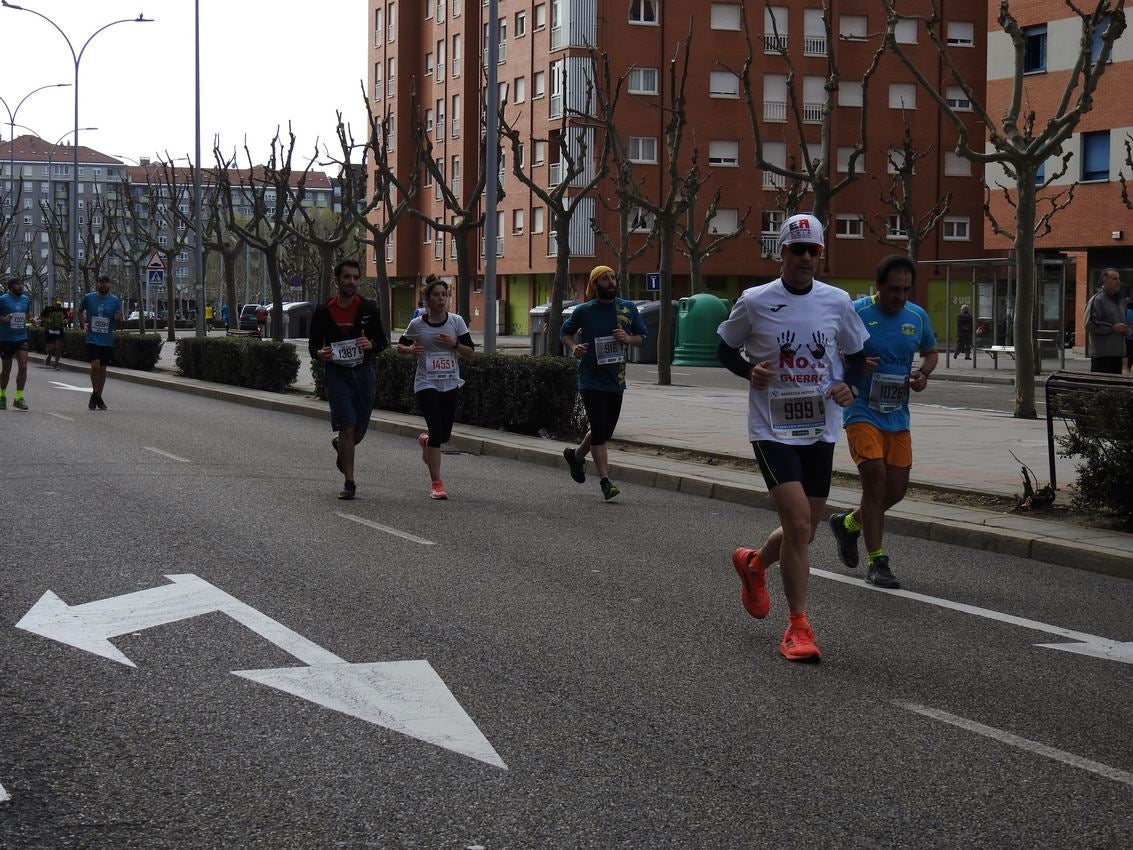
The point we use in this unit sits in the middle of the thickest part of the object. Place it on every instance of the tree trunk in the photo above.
(560, 288)
(1023, 324)
(228, 260)
(665, 329)
(466, 276)
(274, 280)
(170, 297)
(696, 282)
(326, 271)
(385, 302)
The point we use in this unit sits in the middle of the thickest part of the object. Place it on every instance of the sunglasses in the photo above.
(799, 249)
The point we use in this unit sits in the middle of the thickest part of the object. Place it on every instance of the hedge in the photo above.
(1098, 432)
(131, 351)
(241, 361)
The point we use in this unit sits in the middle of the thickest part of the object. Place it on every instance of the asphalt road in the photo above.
(599, 648)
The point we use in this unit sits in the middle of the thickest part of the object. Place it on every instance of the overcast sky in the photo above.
(263, 63)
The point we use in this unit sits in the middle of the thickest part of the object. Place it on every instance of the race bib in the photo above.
(441, 367)
(888, 392)
(346, 352)
(797, 411)
(608, 350)
(19, 321)
(100, 324)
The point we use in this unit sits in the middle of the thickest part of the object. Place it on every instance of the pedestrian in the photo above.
(100, 312)
(53, 319)
(261, 320)
(208, 318)
(792, 330)
(1104, 319)
(224, 315)
(877, 423)
(964, 333)
(14, 307)
(608, 324)
(346, 333)
(437, 339)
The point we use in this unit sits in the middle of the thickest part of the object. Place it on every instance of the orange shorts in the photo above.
(868, 442)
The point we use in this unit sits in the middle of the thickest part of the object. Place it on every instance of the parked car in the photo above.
(247, 320)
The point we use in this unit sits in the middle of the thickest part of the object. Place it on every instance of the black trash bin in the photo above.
(539, 316)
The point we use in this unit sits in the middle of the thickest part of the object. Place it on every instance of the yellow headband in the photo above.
(596, 273)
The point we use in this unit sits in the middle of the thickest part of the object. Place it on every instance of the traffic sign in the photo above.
(296, 281)
(155, 277)
(653, 281)
(155, 261)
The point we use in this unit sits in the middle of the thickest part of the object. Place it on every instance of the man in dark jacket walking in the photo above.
(964, 333)
(346, 333)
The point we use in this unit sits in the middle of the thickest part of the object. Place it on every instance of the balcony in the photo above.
(558, 37)
(555, 173)
(775, 111)
(389, 87)
(456, 128)
(775, 43)
(440, 128)
(769, 245)
(456, 66)
(814, 45)
(773, 181)
(813, 112)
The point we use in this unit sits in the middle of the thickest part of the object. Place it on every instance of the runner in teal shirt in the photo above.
(100, 312)
(14, 308)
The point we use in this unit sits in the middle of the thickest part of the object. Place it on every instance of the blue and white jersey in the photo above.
(883, 394)
(99, 312)
(16, 309)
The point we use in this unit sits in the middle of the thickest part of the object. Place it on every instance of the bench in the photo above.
(1062, 388)
(996, 350)
(231, 332)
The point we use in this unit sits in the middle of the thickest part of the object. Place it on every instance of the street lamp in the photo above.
(12, 113)
(77, 58)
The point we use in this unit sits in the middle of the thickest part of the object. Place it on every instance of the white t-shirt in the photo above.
(800, 335)
(437, 368)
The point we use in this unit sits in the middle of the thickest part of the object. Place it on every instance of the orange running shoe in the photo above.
(754, 595)
(798, 644)
(438, 491)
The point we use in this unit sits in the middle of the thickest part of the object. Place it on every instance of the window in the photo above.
(377, 80)
(440, 107)
(895, 161)
(537, 220)
(429, 119)
(849, 226)
(456, 116)
(517, 222)
(391, 67)
(538, 84)
(814, 32)
(642, 81)
(391, 21)
(540, 153)
(1095, 155)
(842, 161)
(774, 29)
(902, 95)
(956, 229)
(894, 229)
(960, 34)
(441, 11)
(1040, 174)
(540, 12)
(725, 16)
(427, 227)
(429, 9)
(725, 221)
(440, 60)
(641, 220)
(378, 26)
(850, 93)
(644, 11)
(906, 31)
(456, 8)
(519, 89)
(723, 84)
(641, 149)
(503, 93)
(428, 64)
(1034, 48)
(724, 152)
(956, 166)
(954, 96)
(520, 24)
(852, 27)
(1099, 36)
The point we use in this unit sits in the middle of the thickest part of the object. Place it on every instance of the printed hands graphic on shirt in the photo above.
(787, 344)
(819, 351)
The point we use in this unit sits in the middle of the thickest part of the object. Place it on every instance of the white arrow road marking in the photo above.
(402, 534)
(61, 416)
(166, 454)
(4, 795)
(1092, 645)
(59, 385)
(1022, 743)
(405, 696)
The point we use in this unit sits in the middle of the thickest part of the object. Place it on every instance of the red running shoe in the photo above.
(755, 597)
(438, 491)
(798, 644)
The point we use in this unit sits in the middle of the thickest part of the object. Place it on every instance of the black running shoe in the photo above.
(577, 467)
(880, 575)
(337, 456)
(99, 402)
(93, 403)
(348, 490)
(847, 541)
(609, 489)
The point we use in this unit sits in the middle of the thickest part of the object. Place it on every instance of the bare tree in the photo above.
(1015, 144)
(698, 237)
(1128, 141)
(220, 239)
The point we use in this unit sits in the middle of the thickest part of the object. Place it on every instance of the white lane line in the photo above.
(61, 416)
(1086, 644)
(403, 535)
(166, 454)
(4, 795)
(1103, 770)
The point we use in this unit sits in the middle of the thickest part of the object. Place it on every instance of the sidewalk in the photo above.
(955, 449)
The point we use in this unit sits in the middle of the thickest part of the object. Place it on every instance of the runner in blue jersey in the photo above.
(14, 308)
(99, 313)
(877, 423)
(607, 324)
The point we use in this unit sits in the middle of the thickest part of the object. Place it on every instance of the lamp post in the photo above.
(198, 213)
(12, 113)
(73, 221)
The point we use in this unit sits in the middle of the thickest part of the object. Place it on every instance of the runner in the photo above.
(608, 325)
(346, 333)
(877, 423)
(436, 339)
(99, 313)
(792, 330)
(53, 319)
(14, 307)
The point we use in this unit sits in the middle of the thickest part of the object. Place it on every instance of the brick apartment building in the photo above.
(433, 51)
(1096, 231)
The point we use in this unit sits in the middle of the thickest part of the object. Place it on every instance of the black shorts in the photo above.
(811, 465)
(439, 410)
(104, 354)
(9, 349)
(602, 410)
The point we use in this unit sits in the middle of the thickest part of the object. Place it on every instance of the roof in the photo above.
(35, 149)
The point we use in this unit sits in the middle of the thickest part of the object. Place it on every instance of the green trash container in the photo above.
(697, 319)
